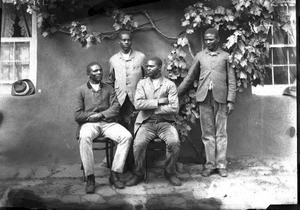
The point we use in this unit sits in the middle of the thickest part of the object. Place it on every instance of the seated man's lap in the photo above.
(89, 130)
(163, 130)
(114, 131)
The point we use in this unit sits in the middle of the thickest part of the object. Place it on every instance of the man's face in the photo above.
(125, 42)
(211, 41)
(153, 69)
(96, 73)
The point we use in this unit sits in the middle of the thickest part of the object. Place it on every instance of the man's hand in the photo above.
(95, 117)
(230, 107)
(163, 101)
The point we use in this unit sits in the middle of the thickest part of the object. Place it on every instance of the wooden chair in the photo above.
(155, 144)
(109, 151)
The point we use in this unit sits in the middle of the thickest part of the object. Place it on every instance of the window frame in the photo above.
(277, 89)
(32, 74)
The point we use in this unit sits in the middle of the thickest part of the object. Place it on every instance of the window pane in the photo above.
(22, 51)
(293, 74)
(280, 37)
(268, 77)
(7, 51)
(280, 75)
(22, 70)
(292, 17)
(292, 55)
(279, 56)
(7, 71)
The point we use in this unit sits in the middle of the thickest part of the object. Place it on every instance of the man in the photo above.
(216, 96)
(126, 69)
(96, 108)
(156, 98)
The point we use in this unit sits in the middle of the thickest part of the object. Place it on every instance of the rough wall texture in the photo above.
(40, 129)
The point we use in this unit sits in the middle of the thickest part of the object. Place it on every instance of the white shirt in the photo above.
(155, 83)
(96, 87)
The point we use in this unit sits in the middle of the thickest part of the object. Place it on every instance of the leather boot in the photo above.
(172, 179)
(115, 180)
(134, 180)
(90, 184)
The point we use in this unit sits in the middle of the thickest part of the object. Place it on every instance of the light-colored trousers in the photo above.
(115, 132)
(213, 121)
(148, 131)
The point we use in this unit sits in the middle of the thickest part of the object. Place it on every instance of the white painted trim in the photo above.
(269, 90)
(33, 51)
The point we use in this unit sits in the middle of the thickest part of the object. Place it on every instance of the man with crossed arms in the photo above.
(156, 98)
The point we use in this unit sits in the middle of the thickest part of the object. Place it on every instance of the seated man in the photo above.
(96, 108)
(156, 98)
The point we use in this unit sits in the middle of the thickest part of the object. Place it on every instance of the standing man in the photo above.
(126, 69)
(156, 98)
(96, 109)
(216, 96)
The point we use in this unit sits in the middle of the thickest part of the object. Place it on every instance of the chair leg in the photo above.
(111, 153)
(83, 173)
(107, 144)
(146, 166)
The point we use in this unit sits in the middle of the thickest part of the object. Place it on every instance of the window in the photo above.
(18, 56)
(282, 57)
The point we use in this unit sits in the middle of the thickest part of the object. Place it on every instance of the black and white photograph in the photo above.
(149, 104)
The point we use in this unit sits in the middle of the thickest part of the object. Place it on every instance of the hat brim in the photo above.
(30, 89)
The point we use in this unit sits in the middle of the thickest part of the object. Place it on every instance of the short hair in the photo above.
(157, 60)
(212, 31)
(88, 68)
(124, 32)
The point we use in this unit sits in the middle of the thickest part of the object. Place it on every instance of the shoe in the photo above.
(115, 180)
(223, 172)
(207, 172)
(134, 180)
(172, 179)
(90, 184)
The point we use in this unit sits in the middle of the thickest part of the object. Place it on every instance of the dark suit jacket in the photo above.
(88, 102)
(211, 66)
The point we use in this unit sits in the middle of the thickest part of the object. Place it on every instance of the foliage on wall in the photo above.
(248, 22)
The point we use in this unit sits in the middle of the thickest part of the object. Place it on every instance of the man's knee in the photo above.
(126, 137)
(85, 140)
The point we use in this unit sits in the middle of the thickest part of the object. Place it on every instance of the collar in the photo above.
(131, 55)
(160, 80)
(218, 51)
(90, 86)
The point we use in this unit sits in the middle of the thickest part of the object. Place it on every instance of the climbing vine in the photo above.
(247, 22)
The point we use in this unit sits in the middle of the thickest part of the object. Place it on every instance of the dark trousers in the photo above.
(127, 119)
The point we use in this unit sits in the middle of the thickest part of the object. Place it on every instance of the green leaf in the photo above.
(182, 41)
(117, 26)
(195, 83)
(244, 63)
(192, 93)
(189, 31)
(185, 23)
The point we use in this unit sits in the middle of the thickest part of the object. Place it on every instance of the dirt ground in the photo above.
(253, 183)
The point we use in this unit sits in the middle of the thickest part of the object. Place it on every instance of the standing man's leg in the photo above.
(118, 133)
(87, 133)
(168, 133)
(207, 122)
(221, 139)
(144, 135)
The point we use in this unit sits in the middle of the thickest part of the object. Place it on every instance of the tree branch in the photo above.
(191, 50)
(154, 26)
